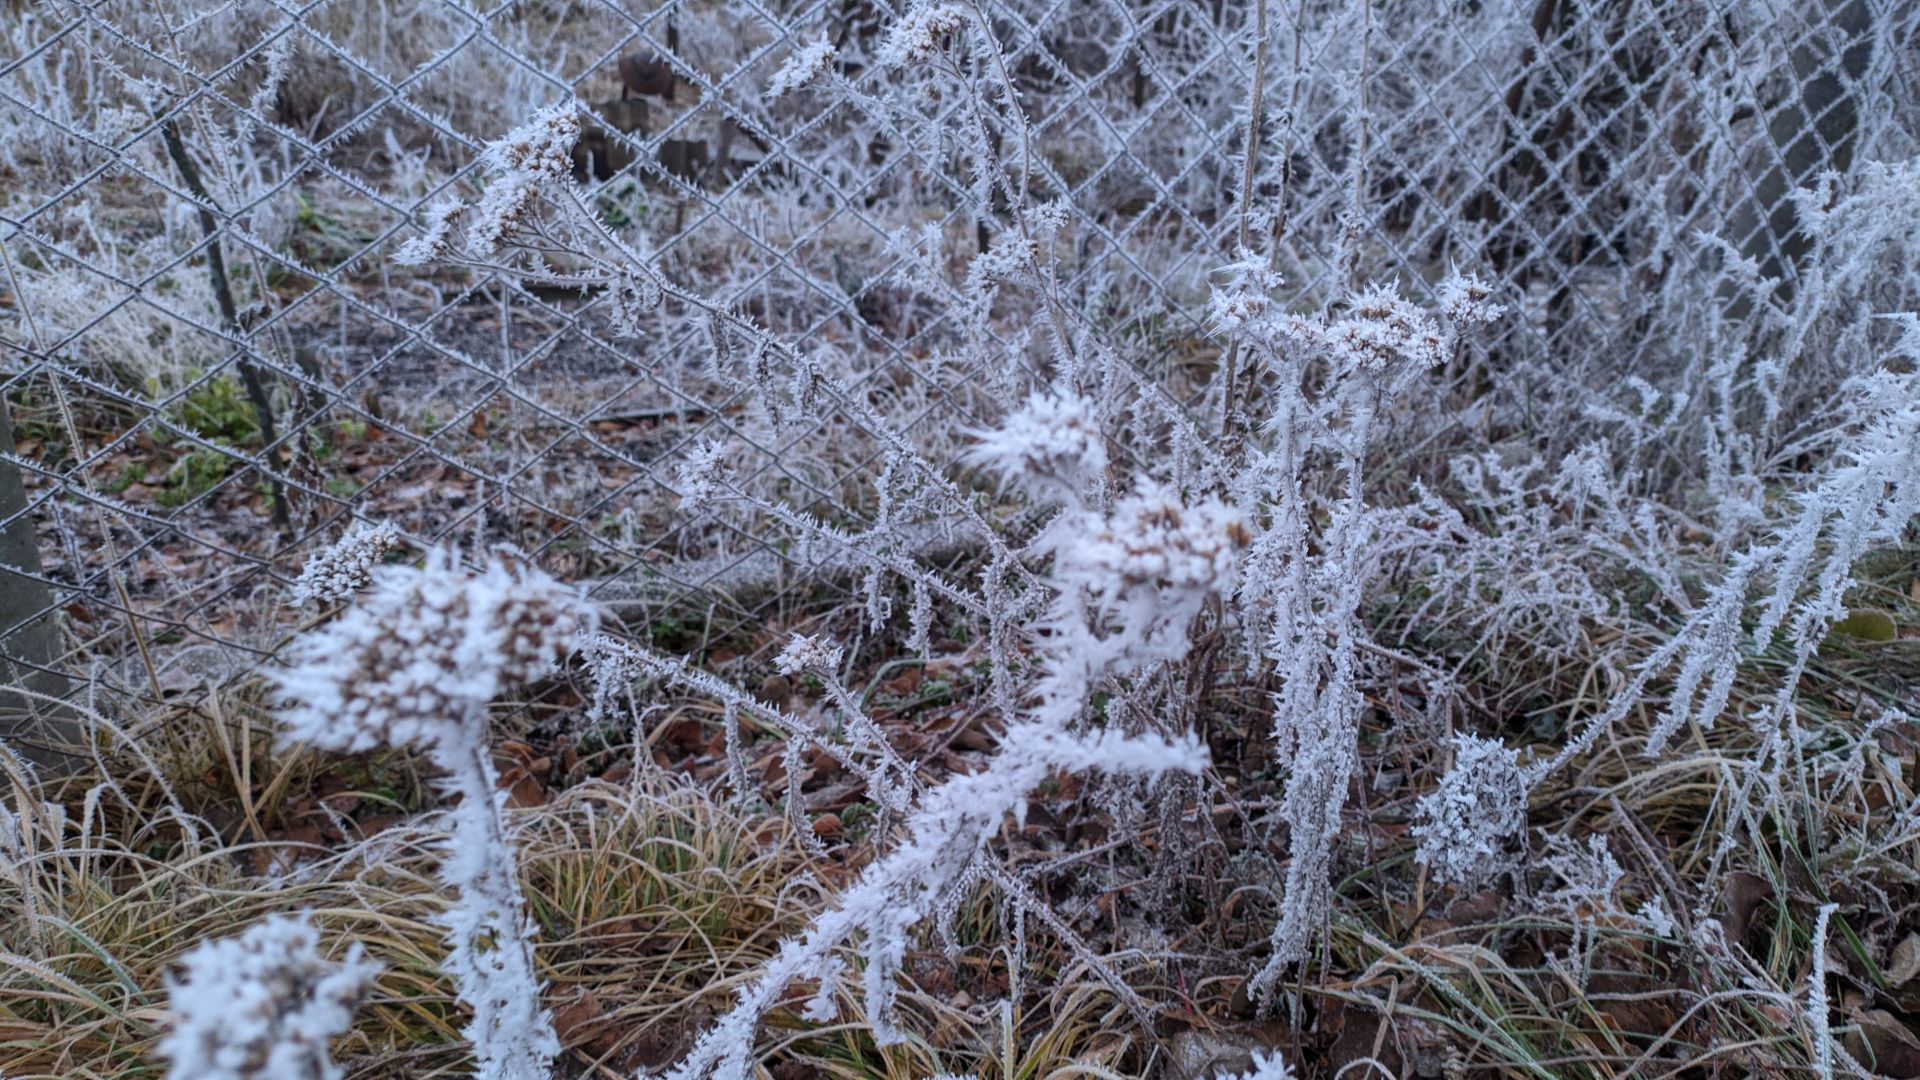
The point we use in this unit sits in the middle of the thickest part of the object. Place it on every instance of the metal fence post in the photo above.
(30, 723)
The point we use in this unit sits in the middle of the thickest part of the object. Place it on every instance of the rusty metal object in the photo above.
(644, 74)
(597, 155)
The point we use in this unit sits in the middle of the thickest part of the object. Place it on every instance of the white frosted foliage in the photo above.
(262, 1005)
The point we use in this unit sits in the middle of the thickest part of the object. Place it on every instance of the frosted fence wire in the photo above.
(1574, 151)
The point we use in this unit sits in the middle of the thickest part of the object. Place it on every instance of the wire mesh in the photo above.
(213, 362)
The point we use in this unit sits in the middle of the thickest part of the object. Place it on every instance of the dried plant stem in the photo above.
(229, 312)
(1249, 169)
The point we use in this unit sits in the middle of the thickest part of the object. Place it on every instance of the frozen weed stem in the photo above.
(416, 663)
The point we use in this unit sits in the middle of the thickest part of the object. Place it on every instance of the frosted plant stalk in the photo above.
(808, 62)
(416, 663)
(1817, 997)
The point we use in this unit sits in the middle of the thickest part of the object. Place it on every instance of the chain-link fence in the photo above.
(213, 361)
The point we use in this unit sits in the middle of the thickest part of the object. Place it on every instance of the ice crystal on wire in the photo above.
(346, 567)
(1465, 826)
(807, 63)
(261, 1006)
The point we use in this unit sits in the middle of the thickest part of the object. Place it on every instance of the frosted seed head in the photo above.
(262, 1006)
(809, 653)
(435, 241)
(808, 62)
(542, 147)
(1467, 301)
(530, 157)
(1152, 540)
(917, 37)
(426, 650)
(346, 567)
(1052, 445)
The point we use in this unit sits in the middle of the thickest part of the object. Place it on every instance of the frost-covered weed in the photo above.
(262, 1006)
(917, 36)
(1052, 447)
(1466, 827)
(808, 62)
(416, 663)
(532, 157)
(424, 653)
(1332, 380)
(1588, 878)
(1265, 1067)
(1147, 567)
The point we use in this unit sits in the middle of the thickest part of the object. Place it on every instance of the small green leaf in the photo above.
(1866, 626)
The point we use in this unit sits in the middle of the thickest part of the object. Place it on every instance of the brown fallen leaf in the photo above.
(1744, 894)
(1883, 1044)
(579, 1020)
(776, 690)
(523, 788)
(904, 684)
(975, 738)
(1905, 962)
(1630, 1003)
